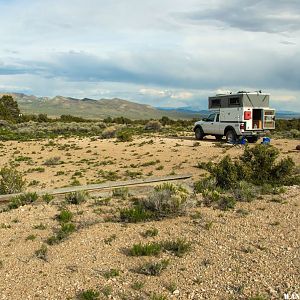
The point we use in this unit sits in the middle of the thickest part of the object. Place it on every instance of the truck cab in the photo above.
(235, 115)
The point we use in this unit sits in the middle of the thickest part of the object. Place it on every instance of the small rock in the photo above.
(176, 293)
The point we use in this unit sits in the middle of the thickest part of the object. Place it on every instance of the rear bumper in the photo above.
(259, 133)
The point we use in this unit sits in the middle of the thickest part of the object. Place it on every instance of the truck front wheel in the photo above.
(199, 134)
(231, 136)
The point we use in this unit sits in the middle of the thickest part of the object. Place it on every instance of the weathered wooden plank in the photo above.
(106, 185)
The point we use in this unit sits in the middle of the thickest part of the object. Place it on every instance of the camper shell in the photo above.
(241, 114)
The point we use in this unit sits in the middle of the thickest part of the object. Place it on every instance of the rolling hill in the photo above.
(93, 109)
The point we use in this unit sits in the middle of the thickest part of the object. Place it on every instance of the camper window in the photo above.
(215, 103)
(234, 101)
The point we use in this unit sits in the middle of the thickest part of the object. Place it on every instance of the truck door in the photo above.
(212, 124)
(269, 119)
(216, 125)
(208, 124)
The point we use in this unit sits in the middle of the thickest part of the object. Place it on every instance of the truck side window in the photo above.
(215, 103)
(234, 101)
(211, 118)
(217, 117)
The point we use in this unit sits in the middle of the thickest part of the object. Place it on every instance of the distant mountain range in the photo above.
(93, 109)
(102, 108)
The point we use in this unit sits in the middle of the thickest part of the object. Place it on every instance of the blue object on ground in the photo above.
(266, 141)
(243, 141)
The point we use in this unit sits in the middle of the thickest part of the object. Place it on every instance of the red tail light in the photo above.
(242, 126)
(247, 115)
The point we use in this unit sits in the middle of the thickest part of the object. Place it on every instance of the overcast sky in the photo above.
(161, 52)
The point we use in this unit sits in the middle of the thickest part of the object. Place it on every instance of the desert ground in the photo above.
(250, 252)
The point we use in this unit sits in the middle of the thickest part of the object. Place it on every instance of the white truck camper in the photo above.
(236, 115)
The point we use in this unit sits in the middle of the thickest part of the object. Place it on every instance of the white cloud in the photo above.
(160, 52)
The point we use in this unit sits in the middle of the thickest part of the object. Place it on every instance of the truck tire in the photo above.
(219, 137)
(231, 136)
(199, 134)
(252, 139)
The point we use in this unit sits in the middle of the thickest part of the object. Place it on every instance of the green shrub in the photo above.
(76, 197)
(257, 165)
(64, 232)
(124, 136)
(226, 202)
(178, 247)
(135, 214)
(89, 295)
(225, 173)
(42, 252)
(149, 249)
(22, 199)
(245, 191)
(121, 192)
(47, 198)
(150, 232)
(65, 216)
(11, 181)
(153, 268)
(111, 273)
(208, 183)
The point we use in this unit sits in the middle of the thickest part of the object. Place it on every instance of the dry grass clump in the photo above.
(153, 125)
(11, 180)
(109, 132)
(168, 199)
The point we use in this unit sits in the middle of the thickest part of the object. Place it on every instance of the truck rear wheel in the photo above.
(199, 134)
(231, 136)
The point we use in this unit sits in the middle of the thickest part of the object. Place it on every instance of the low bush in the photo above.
(135, 214)
(168, 200)
(153, 126)
(52, 161)
(124, 135)
(22, 199)
(149, 249)
(111, 273)
(65, 216)
(178, 247)
(64, 232)
(47, 198)
(109, 132)
(122, 192)
(150, 232)
(42, 252)
(257, 170)
(245, 191)
(153, 268)
(76, 197)
(89, 295)
(11, 180)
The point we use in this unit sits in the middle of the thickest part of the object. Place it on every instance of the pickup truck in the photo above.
(231, 130)
(244, 114)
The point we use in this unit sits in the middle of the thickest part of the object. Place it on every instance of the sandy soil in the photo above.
(82, 159)
(251, 250)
